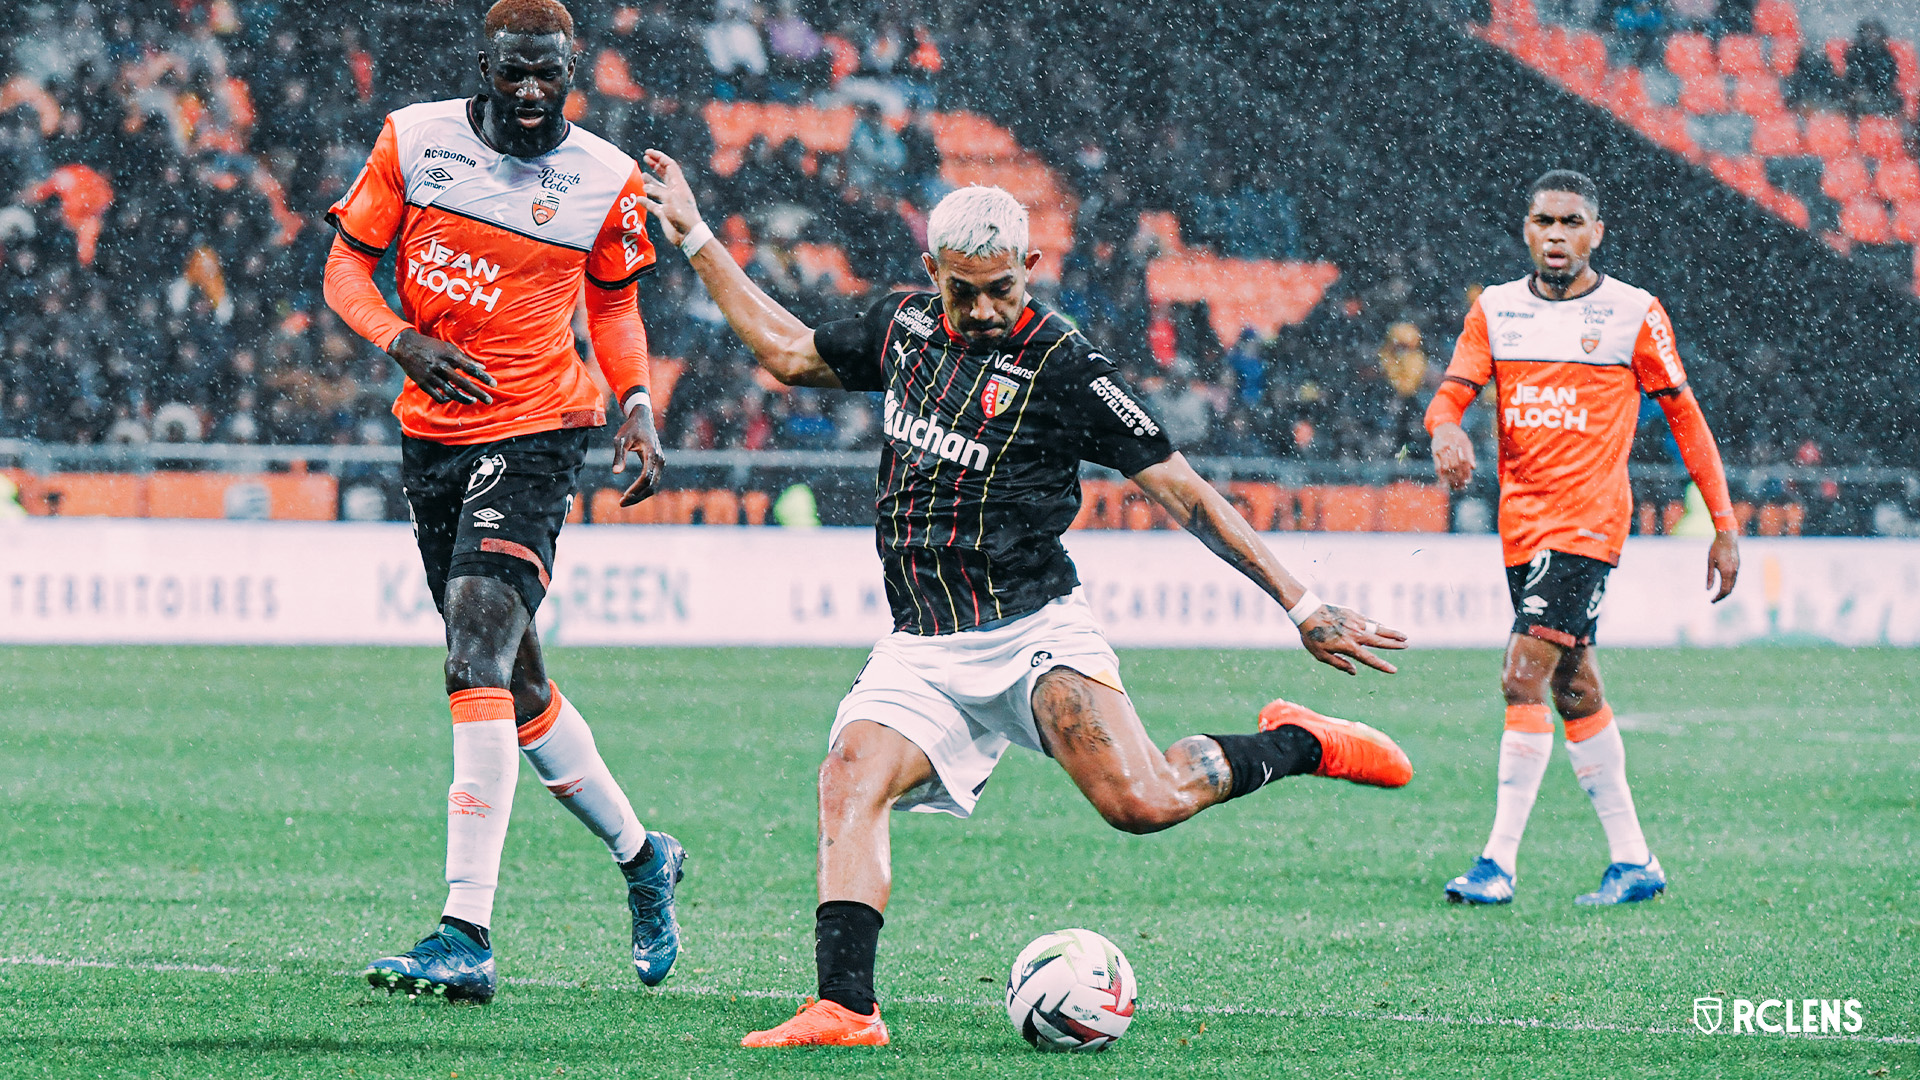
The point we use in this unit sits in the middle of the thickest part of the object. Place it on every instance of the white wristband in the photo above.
(638, 397)
(696, 240)
(1302, 611)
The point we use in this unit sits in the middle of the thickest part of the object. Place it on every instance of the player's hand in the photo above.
(637, 434)
(1452, 456)
(1337, 636)
(1723, 562)
(444, 372)
(669, 197)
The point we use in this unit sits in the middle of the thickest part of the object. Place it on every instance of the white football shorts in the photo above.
(962, 698)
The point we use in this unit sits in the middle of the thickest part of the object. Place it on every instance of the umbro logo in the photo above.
(439, 175)
(487, 517)
(466, 800)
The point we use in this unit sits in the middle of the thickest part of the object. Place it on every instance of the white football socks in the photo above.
(1523, 762)
(567, 761)
(1600, 764)
(480, 801)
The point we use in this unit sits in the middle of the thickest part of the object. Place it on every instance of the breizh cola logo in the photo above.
(1778, 1016)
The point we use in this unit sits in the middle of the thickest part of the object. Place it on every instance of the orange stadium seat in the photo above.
(1881, 138)
(1906, 222)
(1908, 62)
(824, 130)
(1703, 95)
(1742, 54)
(1783, 55)
(1776, 19)
(1777, 135)
(1745, 174)
(1758, 95)
(1829, 135)
(1030, 182)
(732, 123)
(1898, 181)
(1790, 208)
(970, 135)
(1846, 178)
(1690, 54)
(1864, 221)
(1837, 55)
(827, 260)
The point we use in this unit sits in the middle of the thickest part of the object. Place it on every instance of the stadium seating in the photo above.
(1777, 135)
(1846, 178)
(1742, 55)
(1881, 138)
(1829, 135)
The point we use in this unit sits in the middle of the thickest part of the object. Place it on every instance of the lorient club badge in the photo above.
(547, 203)
(998, 395)
(1588, 341)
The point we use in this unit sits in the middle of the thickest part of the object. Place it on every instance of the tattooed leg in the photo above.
(1093, 732)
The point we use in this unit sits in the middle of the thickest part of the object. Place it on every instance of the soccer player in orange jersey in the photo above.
(1569, 351)
(500, 209)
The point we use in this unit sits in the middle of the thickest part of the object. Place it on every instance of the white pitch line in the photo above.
(934, 999)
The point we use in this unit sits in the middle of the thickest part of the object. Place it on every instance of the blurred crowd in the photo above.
(167, 164)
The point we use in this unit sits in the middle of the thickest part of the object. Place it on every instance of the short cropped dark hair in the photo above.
(537, 17)
(1570, 182)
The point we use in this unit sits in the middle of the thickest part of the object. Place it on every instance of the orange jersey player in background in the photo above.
(500, 209)
(1568, 351)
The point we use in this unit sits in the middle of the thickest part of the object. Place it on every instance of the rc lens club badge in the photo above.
(998, 395)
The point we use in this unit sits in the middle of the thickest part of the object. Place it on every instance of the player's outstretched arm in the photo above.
(780, 342)
(1336, 636)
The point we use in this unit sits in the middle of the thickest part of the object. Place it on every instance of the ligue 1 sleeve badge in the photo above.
(545, 205)
(998, 395)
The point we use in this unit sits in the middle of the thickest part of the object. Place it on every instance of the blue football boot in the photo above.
(1625, 883)
(656, 934)
(446, 963)
(1485, 883)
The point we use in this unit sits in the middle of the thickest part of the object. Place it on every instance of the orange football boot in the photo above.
(1348, 750)
(823, 1023)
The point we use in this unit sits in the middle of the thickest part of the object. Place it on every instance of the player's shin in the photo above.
(479, 801)
(1525, 747)
(846, 936)
(560, 747)
(1600, 762)
(1255, 760)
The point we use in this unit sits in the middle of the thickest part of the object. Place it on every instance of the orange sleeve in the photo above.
(622, 254)
(1700, 453)
(352, 295)
(369, 214)
(1656, 357)
(619, 339)
(1470, 369)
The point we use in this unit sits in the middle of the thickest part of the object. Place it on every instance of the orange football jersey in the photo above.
(493, 249)
(1567, 378)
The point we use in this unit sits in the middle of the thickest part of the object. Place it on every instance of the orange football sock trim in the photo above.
(1529, 718)
(481, 703)
(1582, 728)
(536, 729)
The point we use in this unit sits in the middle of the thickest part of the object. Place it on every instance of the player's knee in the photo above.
(470, 666)
(848, 778)
(1523, 686)
(1576, 696)
(1137, 812)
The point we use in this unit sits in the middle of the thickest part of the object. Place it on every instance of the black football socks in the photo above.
(478, 934)
(1264, 756)
(846, 934)
(640, 858)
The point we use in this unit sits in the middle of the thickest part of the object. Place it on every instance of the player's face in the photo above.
(528, 76)
(1562, 230)
(983, 296)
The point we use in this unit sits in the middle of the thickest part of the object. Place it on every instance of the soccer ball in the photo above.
(1071, 990)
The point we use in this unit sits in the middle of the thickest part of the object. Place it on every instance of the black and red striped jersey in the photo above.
(980, 467)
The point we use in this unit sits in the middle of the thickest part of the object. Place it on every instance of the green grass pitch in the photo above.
(202, 847)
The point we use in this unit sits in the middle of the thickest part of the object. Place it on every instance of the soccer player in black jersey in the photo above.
(992, 401)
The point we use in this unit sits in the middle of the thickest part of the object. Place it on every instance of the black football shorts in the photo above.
(1556, 597)
(492, 509)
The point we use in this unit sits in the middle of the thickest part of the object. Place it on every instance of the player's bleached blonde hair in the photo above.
(977, 222)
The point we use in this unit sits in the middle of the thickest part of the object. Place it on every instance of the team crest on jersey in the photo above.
(998, 395)
(545, 205)
(1591, 339)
